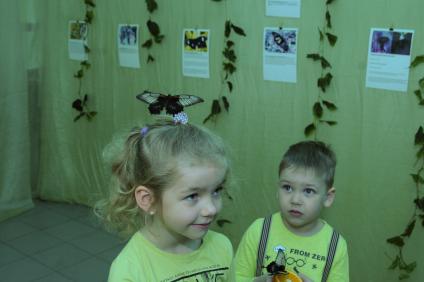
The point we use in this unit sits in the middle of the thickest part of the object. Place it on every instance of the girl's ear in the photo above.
(331, 194)
(144, 198)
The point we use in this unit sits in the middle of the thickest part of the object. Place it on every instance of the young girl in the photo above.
(170, 177)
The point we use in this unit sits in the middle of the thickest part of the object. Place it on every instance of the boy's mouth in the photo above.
(295, 213)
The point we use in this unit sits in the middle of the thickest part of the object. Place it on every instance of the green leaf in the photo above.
(417, 60)
(409, 229)
(227, 30)
(89, 16)
(324, 82)
(332, 39)
(147, 44)
(91, 115)
(230, 86)
(230, 55)
(79, 116)
(215, 110)
(395, 263)
(328, 19)
(79, 74)
(309, 129)
(317, 110)
(238, 30)
(417, 178)
(324, 63)
(230, 43)
(421, 83)
(150, 59)
(410, 267)
(158, 38)
(221, 222)
(85, 64)
(314, 56)
(153, 28)
(329, 105)
(418, 94)
(229, 67)
(151, 5)
(397, 241)
(419, 203)
(90, 3)
(419, 136)
(420, 152)
(403, 276)
(329, 122)
(321, 35)
(226, 106)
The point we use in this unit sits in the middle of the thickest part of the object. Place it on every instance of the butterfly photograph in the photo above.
(280, 41)
(172, 104)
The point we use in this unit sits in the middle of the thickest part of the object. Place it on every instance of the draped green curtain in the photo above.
(19, 114)
(373, 139)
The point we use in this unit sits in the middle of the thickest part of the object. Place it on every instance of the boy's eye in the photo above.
(309, 191)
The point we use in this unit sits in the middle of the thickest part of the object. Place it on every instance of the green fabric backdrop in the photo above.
(373, 139)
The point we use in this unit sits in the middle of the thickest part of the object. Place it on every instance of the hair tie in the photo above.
(180, 118)
(144, 131)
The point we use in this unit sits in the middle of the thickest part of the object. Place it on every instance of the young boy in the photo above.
(311, 247)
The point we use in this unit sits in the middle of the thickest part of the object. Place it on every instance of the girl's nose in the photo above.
(210, 208)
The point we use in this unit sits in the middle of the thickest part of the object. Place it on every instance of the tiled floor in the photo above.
(55, 242)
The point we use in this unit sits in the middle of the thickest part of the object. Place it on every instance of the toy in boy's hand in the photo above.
(278, 270)
(173, 104)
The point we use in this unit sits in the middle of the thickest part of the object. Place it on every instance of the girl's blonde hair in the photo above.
(150, 157)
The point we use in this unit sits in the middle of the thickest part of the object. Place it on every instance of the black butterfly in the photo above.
(173, 104)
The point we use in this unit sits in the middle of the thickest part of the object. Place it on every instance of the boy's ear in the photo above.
(331, 194)
(144, 198)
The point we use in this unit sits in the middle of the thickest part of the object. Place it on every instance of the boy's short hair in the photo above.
(314, 155)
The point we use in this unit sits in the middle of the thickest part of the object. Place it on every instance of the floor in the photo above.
(55, 242)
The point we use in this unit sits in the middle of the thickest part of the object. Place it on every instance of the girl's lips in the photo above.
(202, 226)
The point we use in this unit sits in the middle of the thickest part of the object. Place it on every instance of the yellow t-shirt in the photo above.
(140, 261)
(307, 253)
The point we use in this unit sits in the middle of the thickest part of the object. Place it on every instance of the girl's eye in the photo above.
(309, 191)
(286, 187)
(192, 197)
(218, 191)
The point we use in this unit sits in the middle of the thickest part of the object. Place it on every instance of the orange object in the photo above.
(287, 276)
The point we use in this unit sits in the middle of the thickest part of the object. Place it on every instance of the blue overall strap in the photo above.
(330, 255)
(262, 244)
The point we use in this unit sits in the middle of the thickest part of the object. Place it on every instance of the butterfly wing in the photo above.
(188, 100)
(156, 101)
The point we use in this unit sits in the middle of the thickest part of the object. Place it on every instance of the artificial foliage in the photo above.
(228, 69)
(322, 103)
(155, 36)
(404, 268)
(81, 103)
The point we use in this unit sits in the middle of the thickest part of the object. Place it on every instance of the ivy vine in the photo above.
(228, 69)
(399, 241)
(81, 103)
(324, 81)
(154, 30)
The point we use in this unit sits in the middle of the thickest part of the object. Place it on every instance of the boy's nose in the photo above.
(296, 198)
